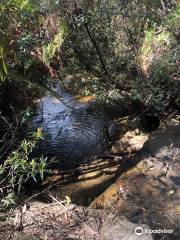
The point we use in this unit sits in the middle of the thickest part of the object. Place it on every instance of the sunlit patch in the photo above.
(55, 100)
(85, 99)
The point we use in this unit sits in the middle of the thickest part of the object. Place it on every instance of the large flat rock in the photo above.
(120, 229)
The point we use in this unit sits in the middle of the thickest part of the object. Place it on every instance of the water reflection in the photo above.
(72, 134)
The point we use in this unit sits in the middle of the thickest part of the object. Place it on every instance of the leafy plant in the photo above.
(49, 50)
(18, 168)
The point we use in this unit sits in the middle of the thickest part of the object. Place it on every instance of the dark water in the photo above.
(72, 134)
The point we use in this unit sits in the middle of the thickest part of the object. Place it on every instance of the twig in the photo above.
(89, 229)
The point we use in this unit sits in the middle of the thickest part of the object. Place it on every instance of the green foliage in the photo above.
(26, 115)
(3, 67)
(173, 19)
(147, 42)
(118, 29)
(20, 4)
(8, 200)
(49, 50)
(17, 169)
(159, 59)
(172, 22)
(13, 16)
(162, 85)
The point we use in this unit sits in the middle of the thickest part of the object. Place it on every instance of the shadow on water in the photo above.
(91, 179)
(71, 134)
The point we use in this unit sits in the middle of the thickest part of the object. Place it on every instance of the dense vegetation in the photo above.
(119, 51)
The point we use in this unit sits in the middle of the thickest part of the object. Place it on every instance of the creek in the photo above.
(73, 133)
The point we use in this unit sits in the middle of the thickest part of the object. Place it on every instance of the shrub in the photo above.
(18, 168)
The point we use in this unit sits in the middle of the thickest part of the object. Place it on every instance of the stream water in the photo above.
(72, 133)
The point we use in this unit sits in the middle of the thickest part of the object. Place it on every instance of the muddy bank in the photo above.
(149, 192)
